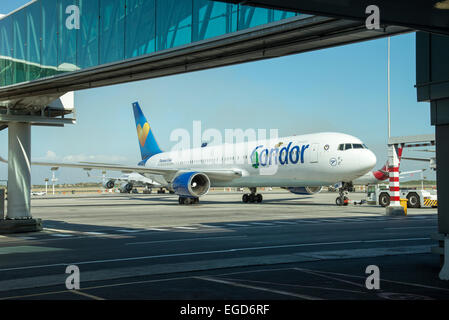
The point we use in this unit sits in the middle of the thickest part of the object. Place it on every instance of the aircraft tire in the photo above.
(252, 198)
(339, 201)
(245, 198)
(259, 198)
(181, 199)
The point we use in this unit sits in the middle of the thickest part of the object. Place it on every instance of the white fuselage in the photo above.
(295, 161)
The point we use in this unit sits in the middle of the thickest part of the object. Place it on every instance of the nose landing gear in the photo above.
(252, 197)
(343, 199)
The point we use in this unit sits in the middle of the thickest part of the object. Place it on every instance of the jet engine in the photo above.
(191, 184)
(126, 187)
(109, 184)
(305, 190)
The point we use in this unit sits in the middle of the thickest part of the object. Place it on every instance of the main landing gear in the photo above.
(252, 197)
(343, 199)
(187, 201)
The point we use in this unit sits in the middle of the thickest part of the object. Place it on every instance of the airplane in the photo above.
(38, 193)
(306, 162)
(128, 181)
(379, 176)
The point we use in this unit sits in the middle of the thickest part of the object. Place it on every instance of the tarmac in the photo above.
(134, 246)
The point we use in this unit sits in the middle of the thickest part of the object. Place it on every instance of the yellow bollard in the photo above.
(404, 205)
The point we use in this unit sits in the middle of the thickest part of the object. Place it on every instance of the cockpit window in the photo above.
(347, 146)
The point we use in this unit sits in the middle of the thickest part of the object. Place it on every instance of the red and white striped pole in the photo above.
(395, 207)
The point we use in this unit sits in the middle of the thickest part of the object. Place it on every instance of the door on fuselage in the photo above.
(314, 153)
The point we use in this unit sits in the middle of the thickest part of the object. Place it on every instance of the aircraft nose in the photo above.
(368, 160)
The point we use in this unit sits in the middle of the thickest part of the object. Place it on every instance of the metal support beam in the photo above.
(426, 15)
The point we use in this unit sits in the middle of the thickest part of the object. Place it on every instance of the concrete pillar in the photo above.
(19, 171)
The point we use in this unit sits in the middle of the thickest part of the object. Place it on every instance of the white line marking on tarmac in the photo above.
(185, 239)
(236, 284)
(405, 228)
(86, 295)
(329, 277)
(237, 225)
(261, 224)
(156, 229)
(308, 221)
(213, 252)
(62, 235)
(385, 280)
(421, 217)
(185, 228)
(285, 222)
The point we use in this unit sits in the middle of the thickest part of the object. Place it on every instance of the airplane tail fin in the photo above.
(383, 174)
(147, 142)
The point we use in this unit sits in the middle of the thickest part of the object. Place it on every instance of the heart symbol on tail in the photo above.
(142, 133)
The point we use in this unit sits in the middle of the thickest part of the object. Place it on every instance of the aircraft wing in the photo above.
(410, 172)
(168, 174)
(416, 159)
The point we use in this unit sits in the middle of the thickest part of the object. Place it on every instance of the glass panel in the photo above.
(357, 146)
(112, 30)
(88, 33)
(140, 27)
(212, 19)
(49, 52)
(19, 67)
(6, 50)
(251, 16)
(34, 31)
(35, 42)
(280, 14)
(67, 39)
(348, 146)
(174, 23)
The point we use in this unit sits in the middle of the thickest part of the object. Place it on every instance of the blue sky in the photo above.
(340, 89)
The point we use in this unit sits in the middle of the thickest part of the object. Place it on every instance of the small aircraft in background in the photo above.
(128, 181)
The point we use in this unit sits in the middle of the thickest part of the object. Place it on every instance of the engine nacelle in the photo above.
(126, 187)
(305, 190)
(191, 184)
(109, 184)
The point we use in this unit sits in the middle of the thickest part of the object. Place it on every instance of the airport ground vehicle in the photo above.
(380, 195)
